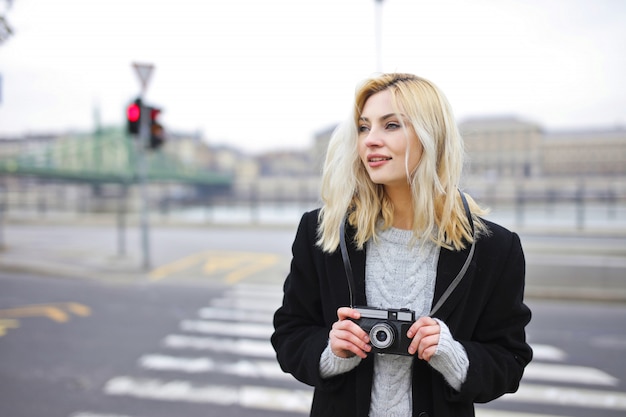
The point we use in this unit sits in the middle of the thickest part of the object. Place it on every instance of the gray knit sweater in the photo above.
(401, 275)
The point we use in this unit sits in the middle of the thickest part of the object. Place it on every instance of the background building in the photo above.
(502, 147)
(511, 163)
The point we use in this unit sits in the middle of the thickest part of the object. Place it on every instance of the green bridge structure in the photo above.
(106, 157)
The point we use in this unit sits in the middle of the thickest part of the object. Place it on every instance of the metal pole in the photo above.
(143, 189)
(3, 206)
(121, 220)
(379, 24)
(144, 71)
(519, 204)
(580, 205)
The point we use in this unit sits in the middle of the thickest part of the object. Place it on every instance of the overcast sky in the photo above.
(262, 75)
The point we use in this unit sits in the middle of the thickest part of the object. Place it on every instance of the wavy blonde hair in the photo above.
(438, 212)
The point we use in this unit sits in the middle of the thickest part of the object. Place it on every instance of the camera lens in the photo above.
(381, 335)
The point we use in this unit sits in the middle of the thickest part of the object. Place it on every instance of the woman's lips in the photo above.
(377, 160)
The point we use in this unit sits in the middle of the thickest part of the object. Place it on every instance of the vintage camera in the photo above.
(387, 328)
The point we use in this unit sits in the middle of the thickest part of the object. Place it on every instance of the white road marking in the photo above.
(246, 304)
(255, 291)
(227, 328)
(571, 397)
(245, 347)
(498, 413)
(569, 373)
(479, 413)
(610, 342)
(241, 368)
(88, 414)
(548, 353)
(299, 400)
(244, 396)
(216, 313)
(245, 312)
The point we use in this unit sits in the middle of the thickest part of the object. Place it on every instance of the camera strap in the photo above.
(348, 267)
(466, 265)
(346, 258)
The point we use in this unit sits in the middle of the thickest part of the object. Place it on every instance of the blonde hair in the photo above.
(438, 213)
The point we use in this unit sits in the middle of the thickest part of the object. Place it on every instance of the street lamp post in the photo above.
(378, 27)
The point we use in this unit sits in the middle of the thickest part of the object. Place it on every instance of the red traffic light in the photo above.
(133, 112)
(133, 117)
(154, 113)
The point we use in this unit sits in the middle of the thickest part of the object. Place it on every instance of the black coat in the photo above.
(485, 313)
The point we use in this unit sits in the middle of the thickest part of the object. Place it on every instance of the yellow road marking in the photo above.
(177, 266)
(54, 311)
(8, 324)
(260, 264)
(58, 312)
(236, 265)
(223, 263)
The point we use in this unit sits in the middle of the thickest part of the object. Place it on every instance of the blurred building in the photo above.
(502, 147)
(514, 148)
(509, 160)
(599, 152)
(286, 163)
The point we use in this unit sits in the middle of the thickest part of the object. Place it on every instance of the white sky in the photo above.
(261, 75)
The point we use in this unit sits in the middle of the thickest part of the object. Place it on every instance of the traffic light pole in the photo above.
(144, 137)
(144, 71)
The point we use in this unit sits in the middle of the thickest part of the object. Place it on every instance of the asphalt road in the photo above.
(87, 332)
(78, 348)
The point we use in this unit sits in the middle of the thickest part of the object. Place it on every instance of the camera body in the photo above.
(387, 328)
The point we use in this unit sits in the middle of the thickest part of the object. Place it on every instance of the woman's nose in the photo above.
(374, 138)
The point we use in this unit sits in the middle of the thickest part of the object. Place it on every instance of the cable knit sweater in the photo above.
(401, 275)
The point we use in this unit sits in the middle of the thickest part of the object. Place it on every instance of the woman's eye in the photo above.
(393, 125)
(363, 128)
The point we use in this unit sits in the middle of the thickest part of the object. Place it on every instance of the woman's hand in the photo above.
(425, 334)
(346, 337)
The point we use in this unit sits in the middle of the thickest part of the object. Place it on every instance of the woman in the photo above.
(393, 170)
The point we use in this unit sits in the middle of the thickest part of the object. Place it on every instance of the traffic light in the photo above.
(155, 129)
(133, 117)
(157, 133)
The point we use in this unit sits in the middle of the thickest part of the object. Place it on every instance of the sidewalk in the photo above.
(93, 251)
(575, 269)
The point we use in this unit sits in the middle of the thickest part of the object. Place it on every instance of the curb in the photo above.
(588, 294)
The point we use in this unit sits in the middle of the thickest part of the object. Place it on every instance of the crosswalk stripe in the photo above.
(547, 353)
(241, 368)
(88, 414)
(245, 396)
(211, 313)
(299, 400)
(239, 346)
(239, 323)
(272, 295)
(246, 304)
(479, 413)
(572, 397)
(569, 373)
(249, 287)
(227, 328)
(498, 413)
